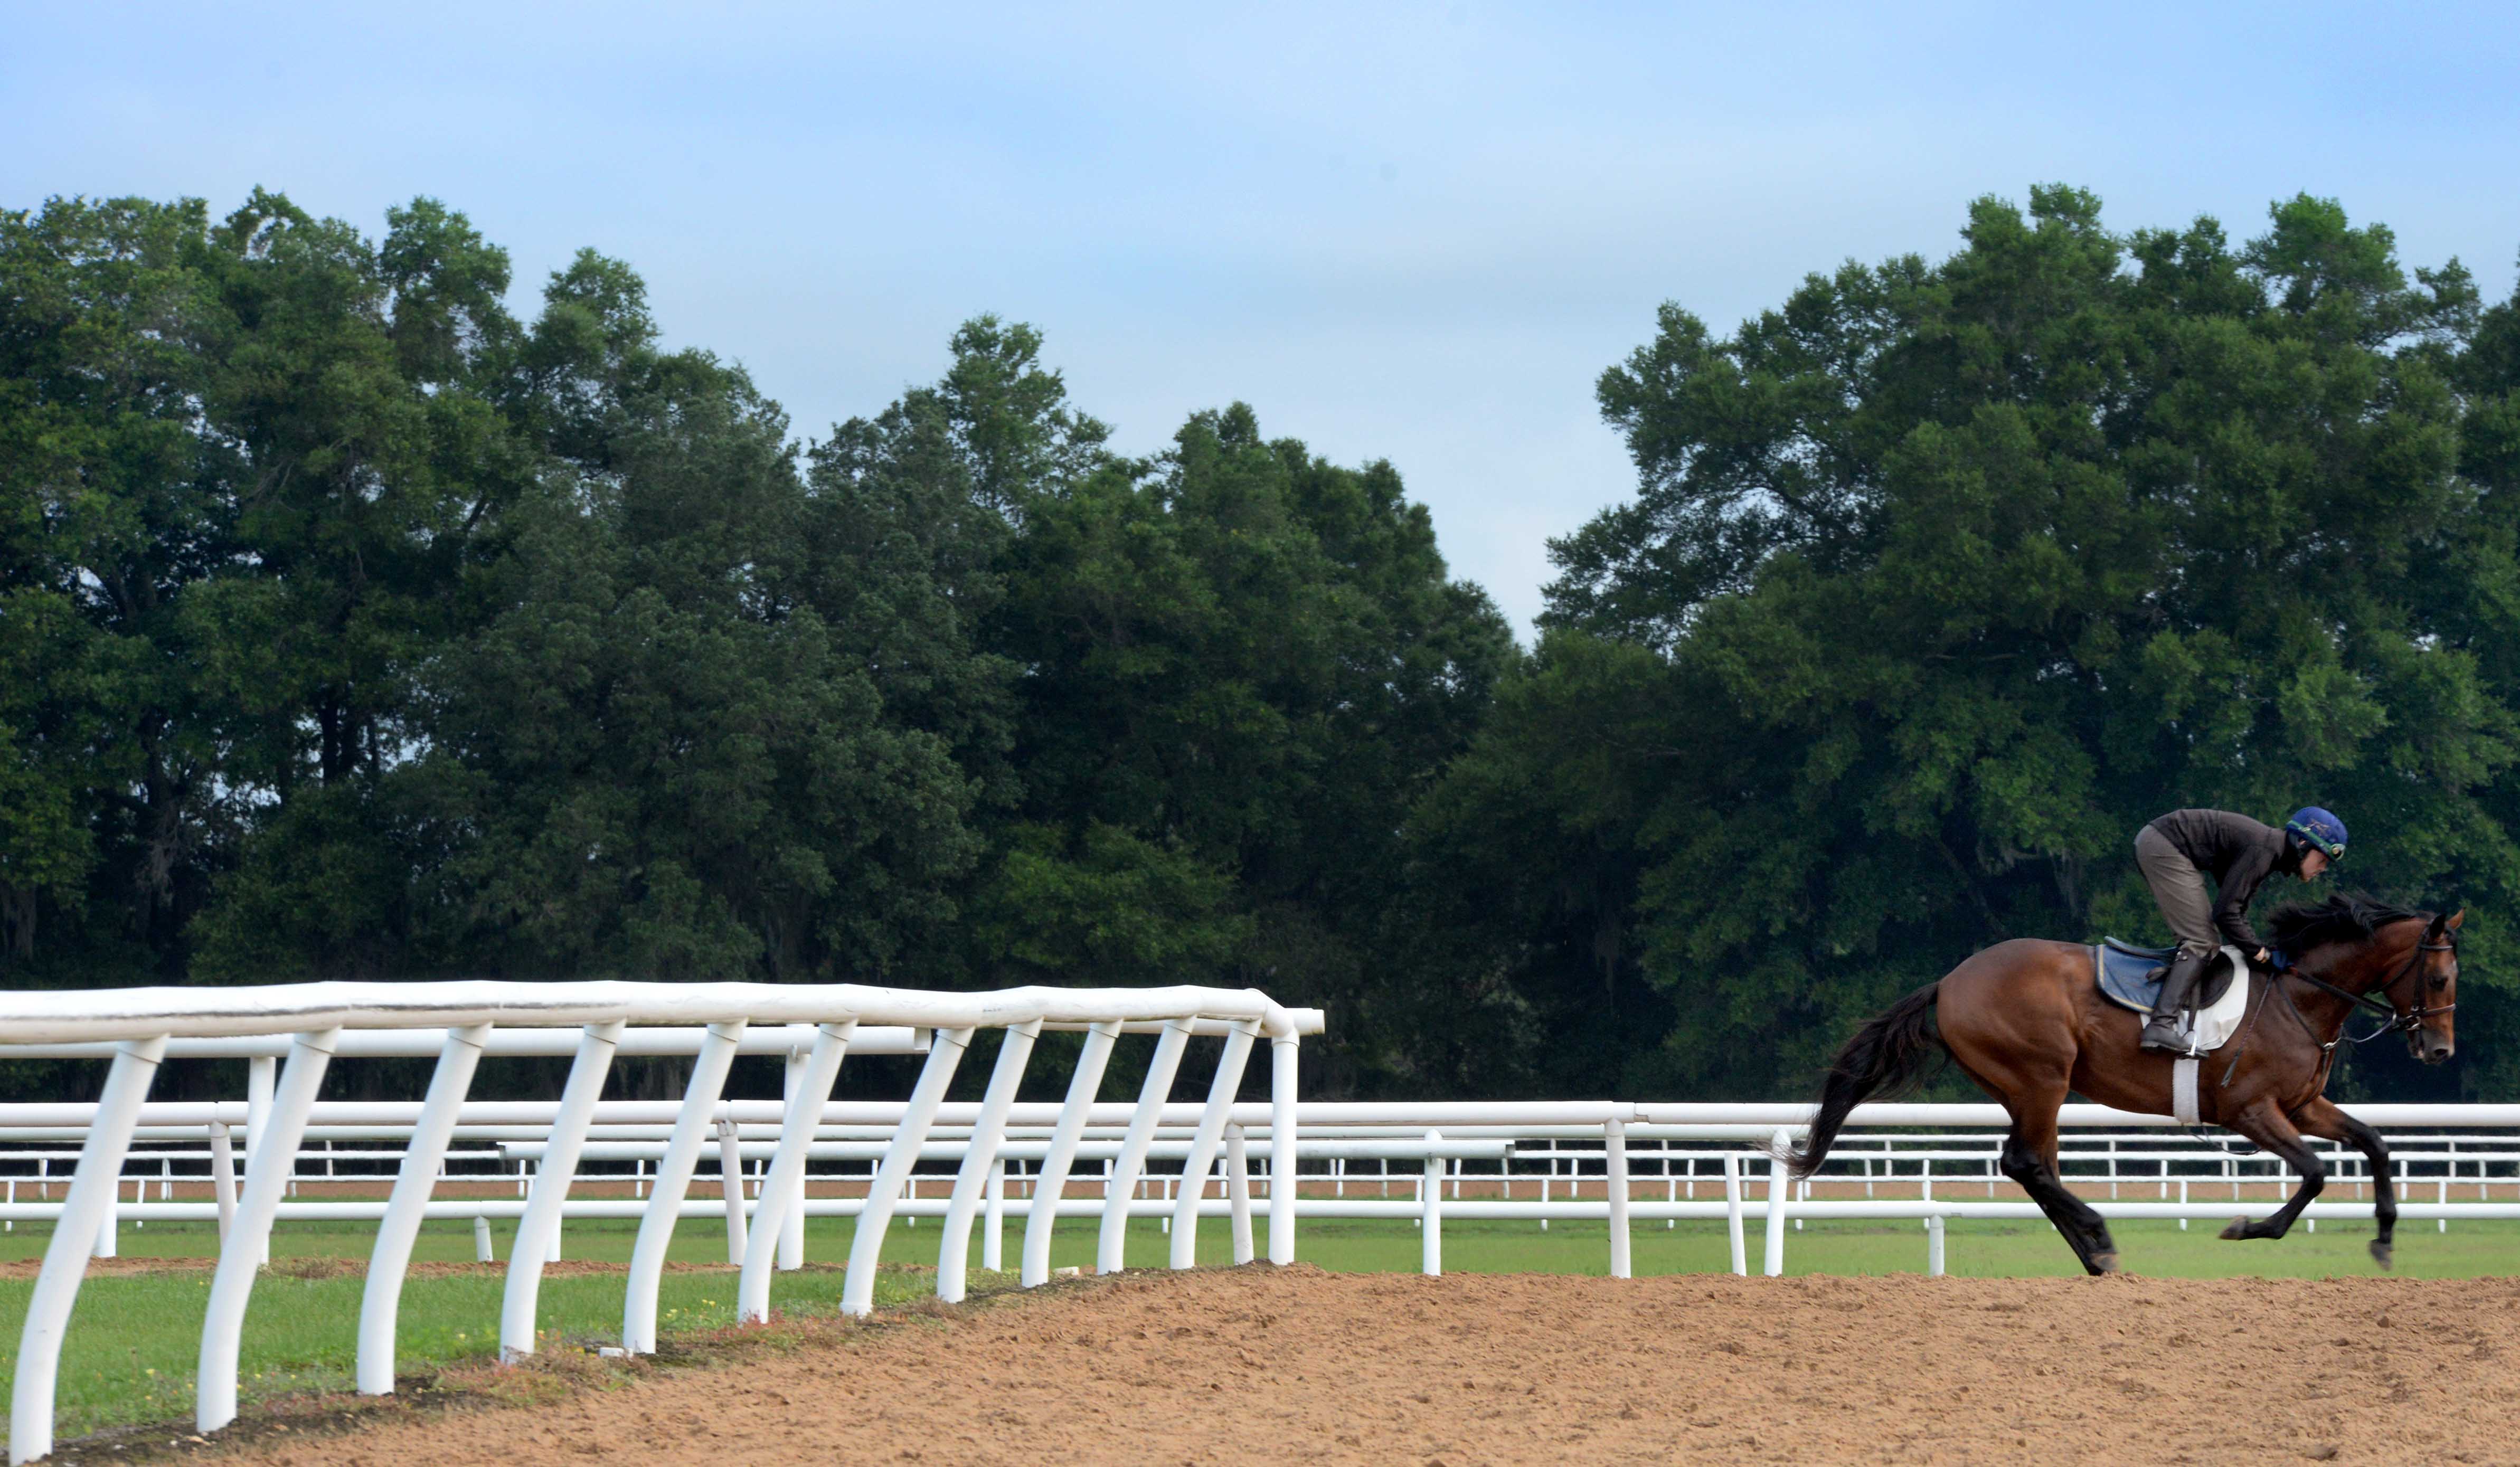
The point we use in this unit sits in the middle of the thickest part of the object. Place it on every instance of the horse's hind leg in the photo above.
(2030, 1160)
(2269, 1129)
(2322, 1117)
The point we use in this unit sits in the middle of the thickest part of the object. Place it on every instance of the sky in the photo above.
(1402, 230)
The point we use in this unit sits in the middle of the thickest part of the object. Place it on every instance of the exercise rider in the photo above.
(2179, 850)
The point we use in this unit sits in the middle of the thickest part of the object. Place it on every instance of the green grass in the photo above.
(1972, 1249)
(129, 1354)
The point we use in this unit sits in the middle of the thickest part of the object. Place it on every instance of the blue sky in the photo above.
(1408, 231)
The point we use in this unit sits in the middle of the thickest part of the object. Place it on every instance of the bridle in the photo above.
(2380, 1001)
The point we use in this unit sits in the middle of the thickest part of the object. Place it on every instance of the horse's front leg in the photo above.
(2322, 1117)
(2270, 1129)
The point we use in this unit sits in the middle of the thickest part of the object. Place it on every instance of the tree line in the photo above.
(353, 625)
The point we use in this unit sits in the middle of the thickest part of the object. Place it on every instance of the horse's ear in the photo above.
(2450, 923)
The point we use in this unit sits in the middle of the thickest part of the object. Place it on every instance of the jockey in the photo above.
(2179, 850)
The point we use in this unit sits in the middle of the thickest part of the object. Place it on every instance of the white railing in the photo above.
(1526, 1163)
(140, 1026)
(1602, 1161)
(1561, 1162)
(1772, 1127)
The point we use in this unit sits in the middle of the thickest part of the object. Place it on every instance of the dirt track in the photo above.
(1256, 1364)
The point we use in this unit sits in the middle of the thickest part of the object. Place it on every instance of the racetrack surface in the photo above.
(1254, 1364)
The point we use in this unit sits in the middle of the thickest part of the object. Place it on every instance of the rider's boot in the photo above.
(2161, 1031)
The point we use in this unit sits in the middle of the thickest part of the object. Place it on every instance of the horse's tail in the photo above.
(1890, 1053)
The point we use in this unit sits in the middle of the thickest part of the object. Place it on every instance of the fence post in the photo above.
(674, 1181)
(730, 1181)
(1777, 1190)
(979, 1157)
(482, 1253)
(993, 1224)
(1430, 1214)
(381, 1301)
(792, 1201)
(48, 1310)
(108, 1230)
(1934, 1247)
(538, 1230)
(1281, 1147)
(1732, 1211)
(1614, 1137)
(261, 1073)
(1238, 1192)
(1204, 1140)
(1122, 1187)
(222, 1176)
(866, 1250)
(275, 1157)
(1050, 1182)
(783, 1187)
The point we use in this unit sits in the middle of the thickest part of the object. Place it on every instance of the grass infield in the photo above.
(131, 1344)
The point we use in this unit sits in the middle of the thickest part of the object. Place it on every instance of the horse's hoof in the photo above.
(2104, 1262)
(2383, 1254)
(2238, 1229)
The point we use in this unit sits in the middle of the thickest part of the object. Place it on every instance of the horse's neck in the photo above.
(2366, 971)
(2323, 1012)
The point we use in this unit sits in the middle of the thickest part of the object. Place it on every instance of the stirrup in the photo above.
(2161, 1034)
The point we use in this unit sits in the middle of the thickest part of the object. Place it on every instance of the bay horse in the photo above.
(2026, 1021)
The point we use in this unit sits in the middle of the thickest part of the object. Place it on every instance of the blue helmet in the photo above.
(2319, 827)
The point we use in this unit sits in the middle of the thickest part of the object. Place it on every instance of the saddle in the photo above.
(2131, 977)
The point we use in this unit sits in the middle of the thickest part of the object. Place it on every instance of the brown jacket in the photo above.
(2239, 854)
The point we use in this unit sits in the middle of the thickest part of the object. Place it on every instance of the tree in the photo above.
(1953, 575)
(358, 384)
(1242, 665)
(667, 760)
(120, 513)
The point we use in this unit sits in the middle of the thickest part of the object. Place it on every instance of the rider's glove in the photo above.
(2278, 959)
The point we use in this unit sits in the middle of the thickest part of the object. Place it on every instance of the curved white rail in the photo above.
(461, 1022)
(1073, 1117)
(381, 1304)
(103, 1014)
(539, 1230)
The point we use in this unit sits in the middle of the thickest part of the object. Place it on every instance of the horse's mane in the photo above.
(2346, 916)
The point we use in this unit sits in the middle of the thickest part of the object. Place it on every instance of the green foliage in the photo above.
(1242, 665)
(351, 625)
(117, 507)
(1942, 579)
(354, 626)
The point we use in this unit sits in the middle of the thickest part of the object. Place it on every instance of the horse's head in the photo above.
(2433, 993)
(2383, 959)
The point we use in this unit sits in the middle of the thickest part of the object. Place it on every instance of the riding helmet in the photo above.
(2318, 827)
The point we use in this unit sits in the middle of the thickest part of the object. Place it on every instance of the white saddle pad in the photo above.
(2214, 1027)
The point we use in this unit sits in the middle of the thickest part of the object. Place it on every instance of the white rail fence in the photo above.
(138, 1028)
(1556, 1165)
(1524, 1163)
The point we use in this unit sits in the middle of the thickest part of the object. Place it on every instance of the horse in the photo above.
(2025, 1019)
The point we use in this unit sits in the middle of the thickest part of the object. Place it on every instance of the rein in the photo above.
(2374, 1001)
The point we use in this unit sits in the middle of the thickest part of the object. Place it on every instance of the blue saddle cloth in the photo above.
(2131, 976)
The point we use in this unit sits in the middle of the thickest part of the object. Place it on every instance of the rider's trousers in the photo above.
(2180, 887)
